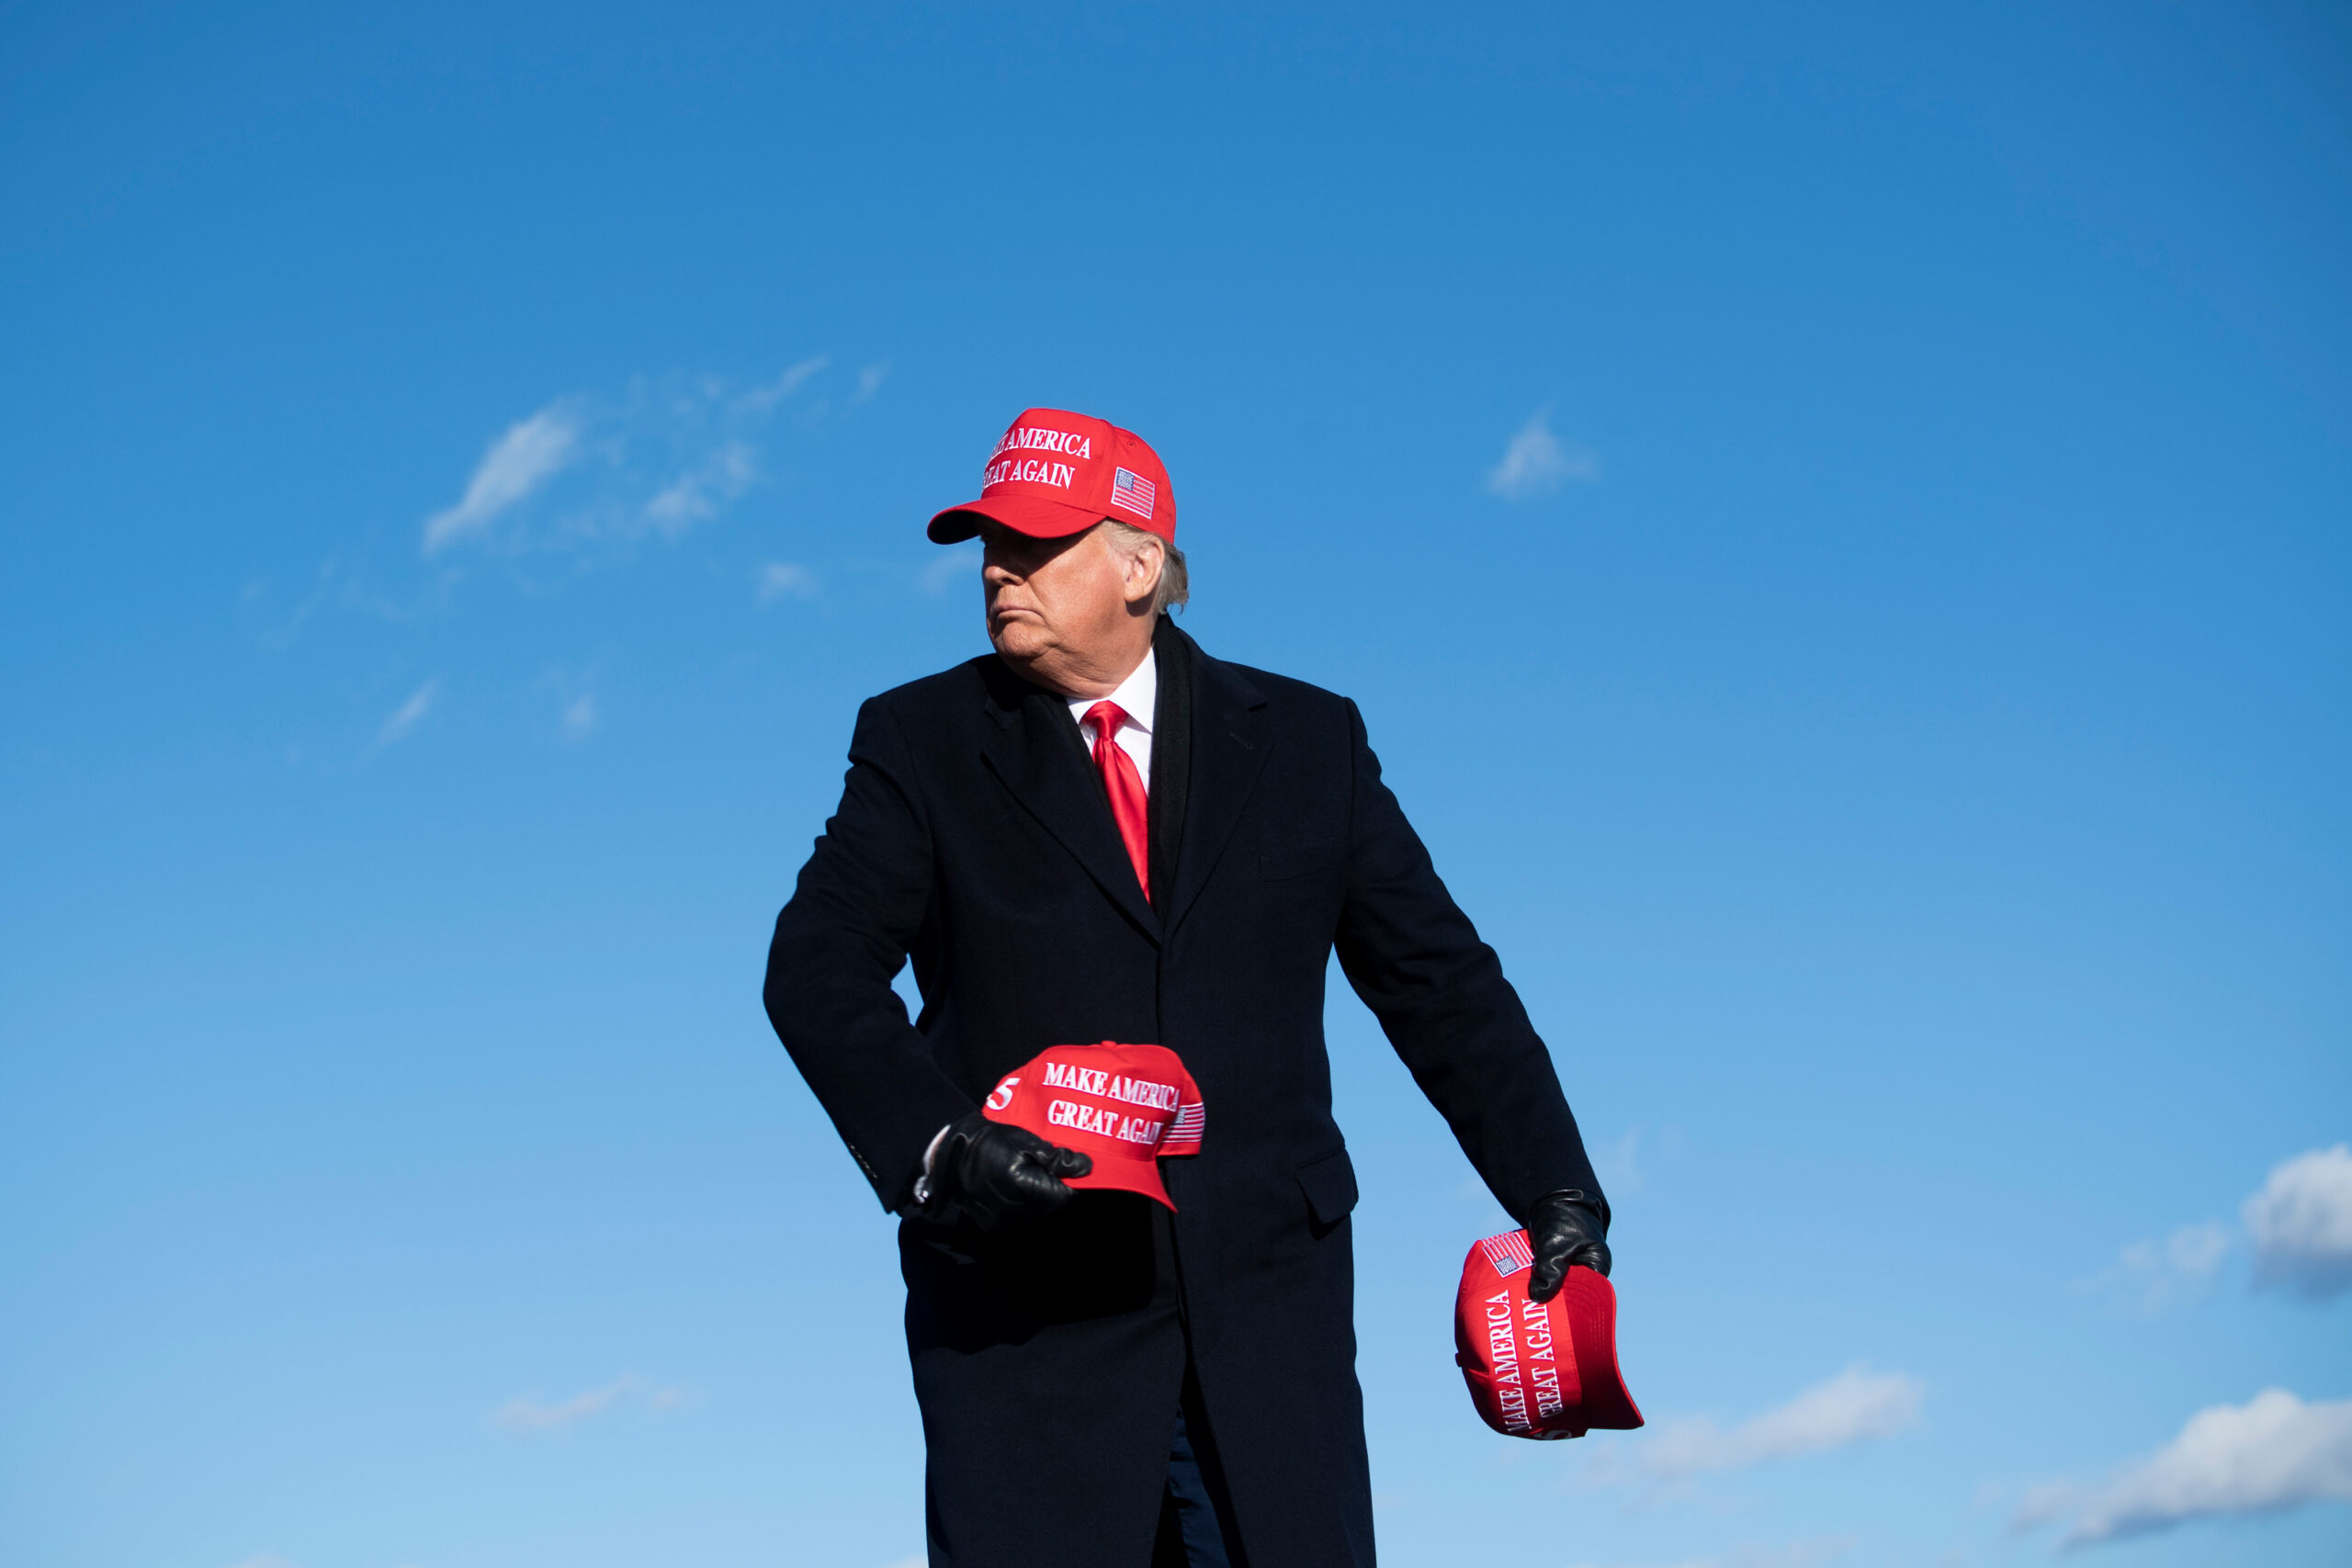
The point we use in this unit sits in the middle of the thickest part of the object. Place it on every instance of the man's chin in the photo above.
(1019, 637)
(1020, 643)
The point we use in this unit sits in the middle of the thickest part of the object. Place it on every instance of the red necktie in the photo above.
(1129, 804)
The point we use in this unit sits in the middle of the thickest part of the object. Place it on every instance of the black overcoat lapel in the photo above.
(1230, 741)
(1036, 751)
(1171, 757)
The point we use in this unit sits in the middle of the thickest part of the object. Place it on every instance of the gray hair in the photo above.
(1175, 582)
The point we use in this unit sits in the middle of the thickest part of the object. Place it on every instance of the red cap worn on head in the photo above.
(1538, 1368)
(1123, 1105)
(1056, 473)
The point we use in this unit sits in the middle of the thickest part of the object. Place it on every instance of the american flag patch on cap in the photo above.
(1190, 1121)
(1508, 1254)
(1134, 492)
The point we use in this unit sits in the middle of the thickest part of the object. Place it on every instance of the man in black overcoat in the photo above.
(1095, 832)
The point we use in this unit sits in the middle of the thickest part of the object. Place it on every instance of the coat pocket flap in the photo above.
(1330, 1183)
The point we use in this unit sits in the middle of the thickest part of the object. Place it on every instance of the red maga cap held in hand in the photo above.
(1538, 1368)
(1126, 1105)
(1056, 473)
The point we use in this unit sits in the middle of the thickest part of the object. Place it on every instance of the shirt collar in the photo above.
(1134, 696)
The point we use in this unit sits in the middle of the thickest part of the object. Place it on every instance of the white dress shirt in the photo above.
(1134, 696)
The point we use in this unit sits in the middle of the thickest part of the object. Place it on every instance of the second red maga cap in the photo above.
(1056, 473)
(1125, 1106)
(1538, 1368)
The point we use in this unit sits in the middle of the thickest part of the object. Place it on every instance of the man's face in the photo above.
(1064, 612)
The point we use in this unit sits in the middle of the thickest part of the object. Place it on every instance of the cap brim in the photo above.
(1032, 514)
(1590, 1303)
(1124, 1175)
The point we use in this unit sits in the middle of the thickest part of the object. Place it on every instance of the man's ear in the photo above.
(1142, 578)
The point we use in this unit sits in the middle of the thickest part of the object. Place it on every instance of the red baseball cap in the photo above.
(1538, 1368)
(1126, 1105)
(1056, 473)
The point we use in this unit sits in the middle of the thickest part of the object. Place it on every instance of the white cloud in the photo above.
(781, 579)
(2149, 1276)
(1796, 1554)
(1619, 1165)
(1535, 463)
(274, 625)
(518, 463)
(870, 381)
(949, 567)
(701, 489)
(1855, 1406)
(1626, 1166)
(2271, 1453)
(581, 717)
(409, 714)
(2195, 1251)
(604, 470)
(526, 1416)
(761, 399)
(2302, 1223)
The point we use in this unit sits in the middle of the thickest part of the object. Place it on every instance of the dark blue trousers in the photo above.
(1195, 1510)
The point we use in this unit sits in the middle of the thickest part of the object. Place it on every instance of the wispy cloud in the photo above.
(410, 714)
(1625, 1166)
(596, 469)
(704, 487)
(870, 381)
(581, 717)
(579, 711)
(532, 452)
(762, 398)
(2149, 1276)
(960, 564)
(784, 580)
(1857, 1406)
(274, 625)
(1811, 1553)
(2272, 1453)
(1537, 463)
(1619, 1165)
(527, 1415)
(2302, 1223)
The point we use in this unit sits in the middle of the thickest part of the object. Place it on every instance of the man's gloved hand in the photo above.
(1565, 1228)
(997, 1174)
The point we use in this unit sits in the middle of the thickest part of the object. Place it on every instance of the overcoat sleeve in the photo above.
(861, 900)
(1439, 992)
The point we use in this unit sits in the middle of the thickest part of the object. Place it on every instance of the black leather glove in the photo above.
(997, 1174)
(1565, 1228)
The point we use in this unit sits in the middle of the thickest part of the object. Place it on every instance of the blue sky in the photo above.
(1836, 520)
